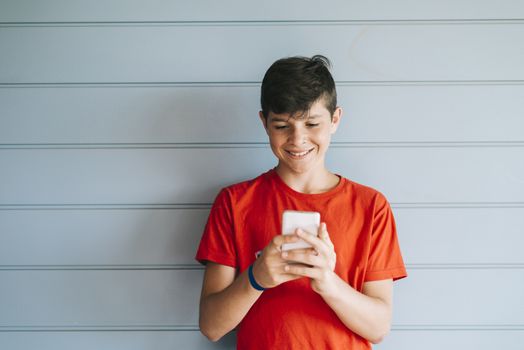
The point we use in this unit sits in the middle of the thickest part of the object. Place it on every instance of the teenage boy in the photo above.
(335, 295)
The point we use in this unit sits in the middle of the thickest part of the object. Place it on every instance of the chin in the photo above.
(299, 170)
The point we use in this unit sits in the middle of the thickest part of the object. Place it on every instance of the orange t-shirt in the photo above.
(246, 216)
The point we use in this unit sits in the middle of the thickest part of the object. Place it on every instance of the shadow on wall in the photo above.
(228, 341)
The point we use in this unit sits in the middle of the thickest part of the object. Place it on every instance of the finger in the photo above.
(303, 250)
(317, 243)
(286, 277)
(324, 235)
(279, 240)
(302, 270)
(306, 258)
(322, 231)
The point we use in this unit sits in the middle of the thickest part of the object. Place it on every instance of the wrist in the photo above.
(331, 286)
(252, 280)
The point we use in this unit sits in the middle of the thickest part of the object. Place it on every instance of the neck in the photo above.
(317, 181)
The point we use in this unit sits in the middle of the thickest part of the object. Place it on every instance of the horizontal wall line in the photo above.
(457, 205)
(173, 267)
(195, 328)
(466, 266)
(100, 328)
(192, 206)
(236, 145)
(464, 21)
(176, 267)
(131, 84)
(175, 145)
(123, 206)
(459, 327)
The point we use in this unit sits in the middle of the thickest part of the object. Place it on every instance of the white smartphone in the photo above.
(308, 221)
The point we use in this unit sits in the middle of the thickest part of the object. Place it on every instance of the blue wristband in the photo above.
(252, 280)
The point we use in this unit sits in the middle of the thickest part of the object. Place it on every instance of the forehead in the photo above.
(317, 111)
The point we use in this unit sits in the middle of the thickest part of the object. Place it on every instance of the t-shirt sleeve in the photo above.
(385, 259)
(217, 244)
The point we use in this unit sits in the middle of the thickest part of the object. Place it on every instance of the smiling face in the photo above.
(300, 141)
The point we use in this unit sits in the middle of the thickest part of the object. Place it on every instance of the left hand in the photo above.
(317, 263)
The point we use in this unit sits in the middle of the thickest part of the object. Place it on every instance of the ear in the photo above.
(263, 120)
(335, 120)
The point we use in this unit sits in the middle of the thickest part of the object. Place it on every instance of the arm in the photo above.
(368, 313)
(225, 300)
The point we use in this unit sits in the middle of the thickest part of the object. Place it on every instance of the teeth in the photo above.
(299, 154)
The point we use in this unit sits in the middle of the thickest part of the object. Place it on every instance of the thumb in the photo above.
(324, 235)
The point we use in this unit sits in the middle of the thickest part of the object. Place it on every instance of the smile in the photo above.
(299, 154)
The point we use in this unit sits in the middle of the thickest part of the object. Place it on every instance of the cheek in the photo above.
(322, 136)
(275, 141)
(276, 138)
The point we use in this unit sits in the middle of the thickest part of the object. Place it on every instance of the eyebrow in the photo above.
(273, 119)
(278, 119)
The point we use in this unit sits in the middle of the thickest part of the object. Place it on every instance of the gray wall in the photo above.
(120, 120)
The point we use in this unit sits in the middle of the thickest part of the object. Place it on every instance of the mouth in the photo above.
(299, 155)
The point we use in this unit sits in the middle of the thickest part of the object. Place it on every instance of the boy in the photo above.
(335, 295)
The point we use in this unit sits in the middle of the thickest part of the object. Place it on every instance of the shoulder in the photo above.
(366, 195)
(245, 189)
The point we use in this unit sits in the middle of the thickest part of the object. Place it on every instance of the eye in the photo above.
(280, 127)
(312, 125)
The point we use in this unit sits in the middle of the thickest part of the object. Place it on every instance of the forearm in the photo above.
(367, 316)
(221, 312)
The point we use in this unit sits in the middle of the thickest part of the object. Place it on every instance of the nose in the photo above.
(297, 136)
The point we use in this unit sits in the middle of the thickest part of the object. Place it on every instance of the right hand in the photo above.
(269, 268)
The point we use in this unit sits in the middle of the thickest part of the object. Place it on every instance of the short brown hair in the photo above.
(291, 85)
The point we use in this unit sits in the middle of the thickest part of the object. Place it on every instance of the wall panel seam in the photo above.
(191, 206)
(186, 267)
(246, 83)
(443, 21)
(250, 145)
(195, 328)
